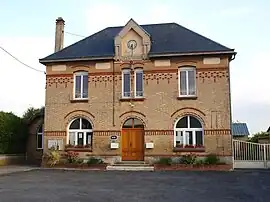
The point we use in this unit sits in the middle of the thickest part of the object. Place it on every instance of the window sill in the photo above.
(78, 149)
(181, 149)
(187, 98)
(132, 99)
(79, 100)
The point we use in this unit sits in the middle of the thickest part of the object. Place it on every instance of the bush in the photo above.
(52, 157)
(165, 161)
(94, 161)
(189, 159)
(211, 159)
(72, 157)
(80, 161)
(199, 162)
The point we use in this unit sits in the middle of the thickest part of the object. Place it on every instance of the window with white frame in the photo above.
(188, 132)
(138, 83)
(40, 137)
(80, 133)
(187, 81)
(81, 85)
(126, 83)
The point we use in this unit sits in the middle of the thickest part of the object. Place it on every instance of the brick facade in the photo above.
(159, 111)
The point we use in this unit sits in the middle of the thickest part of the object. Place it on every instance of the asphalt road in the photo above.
(56, 185)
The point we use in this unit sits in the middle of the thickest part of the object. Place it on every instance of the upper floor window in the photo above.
(138, 83)
(126, 81)
(81, 85)
(187, 81)
(40, 137)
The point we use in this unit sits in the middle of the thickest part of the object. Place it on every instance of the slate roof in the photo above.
(167, 38)
(240, 129)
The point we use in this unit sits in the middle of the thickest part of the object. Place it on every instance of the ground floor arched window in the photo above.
(80, 132)
(188, 132)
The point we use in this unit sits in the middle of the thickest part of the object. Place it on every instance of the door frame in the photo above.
(133, 129)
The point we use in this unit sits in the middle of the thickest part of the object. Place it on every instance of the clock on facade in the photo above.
(132, 44)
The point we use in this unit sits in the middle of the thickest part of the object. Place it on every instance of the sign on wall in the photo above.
(56, 143)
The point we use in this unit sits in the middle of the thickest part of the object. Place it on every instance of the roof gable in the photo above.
(167, 38)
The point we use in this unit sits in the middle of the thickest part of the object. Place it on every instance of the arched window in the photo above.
(80, 132)
(40, 137)
(133, 123)
(188, 132)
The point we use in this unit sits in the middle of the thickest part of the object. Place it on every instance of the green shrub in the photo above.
(211, 159)
(189, 159)
(79, 161)
(52, 157)
(165, 161)
(199, 162)
(94, 161)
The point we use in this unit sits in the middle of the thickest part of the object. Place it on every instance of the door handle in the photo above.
(130, 144)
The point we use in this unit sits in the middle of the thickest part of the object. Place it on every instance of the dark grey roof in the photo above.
(240, 129)
(167, 38)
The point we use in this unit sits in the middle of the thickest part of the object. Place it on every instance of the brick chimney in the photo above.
(59, 34)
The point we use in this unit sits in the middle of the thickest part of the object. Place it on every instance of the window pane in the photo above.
(80, 138)
(75, 124)
(77, 86)
(39, 141)
(71, 138)
(194, 123)
(85, 86)
(126, 84)
(179, 138)
(191, 82)
(128, 123)
(199, 138)
(138, 123)
(139, 84)
(86, 124)
(189, 138)
(40, 129)
(183, 83)
(89, 138)
(182, 123)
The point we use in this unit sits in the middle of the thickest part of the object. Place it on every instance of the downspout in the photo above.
(113, 97)
(230, 102)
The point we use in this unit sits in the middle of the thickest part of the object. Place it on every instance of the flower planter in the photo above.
(83, 166)
(223, 167)
(78, 149)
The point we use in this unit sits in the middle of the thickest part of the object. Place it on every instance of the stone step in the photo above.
(130, 168)
(130, 162)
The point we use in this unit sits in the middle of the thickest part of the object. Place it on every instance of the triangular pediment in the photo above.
(132, 31)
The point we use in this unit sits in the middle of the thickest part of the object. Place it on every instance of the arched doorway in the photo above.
(132, 140)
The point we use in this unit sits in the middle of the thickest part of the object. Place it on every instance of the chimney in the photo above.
(59, 34)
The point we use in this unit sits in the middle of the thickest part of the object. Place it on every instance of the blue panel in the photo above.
(240, 129)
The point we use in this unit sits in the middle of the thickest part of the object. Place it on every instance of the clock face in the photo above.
(132, 44)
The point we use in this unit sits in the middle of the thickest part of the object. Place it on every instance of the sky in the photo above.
(27, 31)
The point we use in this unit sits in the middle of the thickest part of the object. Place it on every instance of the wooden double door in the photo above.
(132, 144)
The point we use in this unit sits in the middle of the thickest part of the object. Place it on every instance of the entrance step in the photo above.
(130, 168)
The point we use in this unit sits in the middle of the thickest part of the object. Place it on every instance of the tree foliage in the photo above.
(13, 133)
(32, 112)
(255, 138)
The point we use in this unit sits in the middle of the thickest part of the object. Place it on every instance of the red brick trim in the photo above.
(106, 132)
(59, 75)
(132, 112)
(158, 132)
(77, 111)
(212, 69)
(55, 133)
(131, 99)
(187, 108)
(217, 132)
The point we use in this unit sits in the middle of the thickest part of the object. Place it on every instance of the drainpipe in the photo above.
(113, 97)
(230, 102)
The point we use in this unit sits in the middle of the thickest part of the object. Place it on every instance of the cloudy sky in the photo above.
(27, 31)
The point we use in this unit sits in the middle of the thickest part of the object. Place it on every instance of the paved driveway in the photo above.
(56, 185)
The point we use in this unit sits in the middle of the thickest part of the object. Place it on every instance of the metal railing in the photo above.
(251, 155)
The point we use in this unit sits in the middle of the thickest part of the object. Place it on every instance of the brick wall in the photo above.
(158, 111)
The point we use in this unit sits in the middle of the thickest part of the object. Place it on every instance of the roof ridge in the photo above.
(165, 23)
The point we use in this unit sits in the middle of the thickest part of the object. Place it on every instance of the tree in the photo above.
(13, 133)
(255, 138)
(32, 112)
